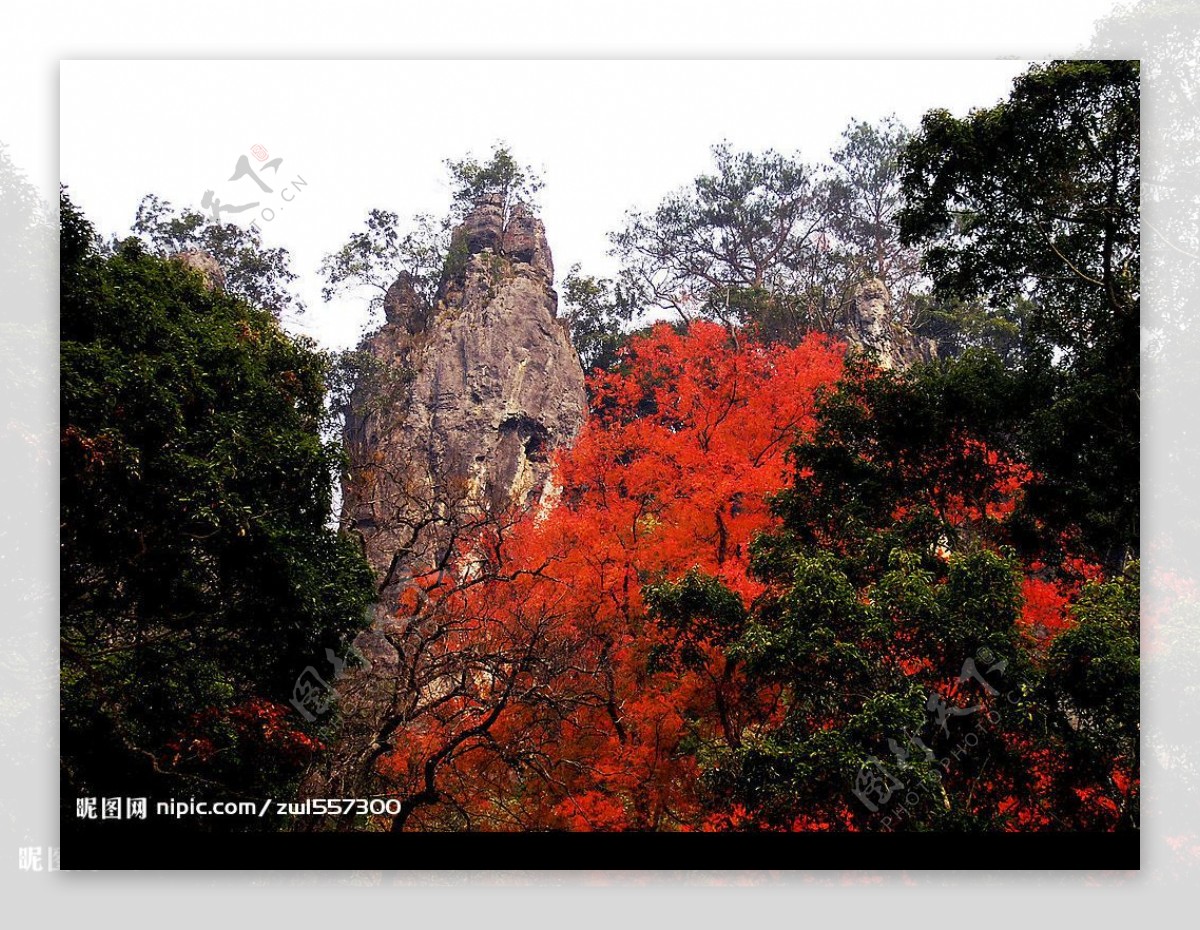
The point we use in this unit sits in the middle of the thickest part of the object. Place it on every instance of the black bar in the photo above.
(170, 850)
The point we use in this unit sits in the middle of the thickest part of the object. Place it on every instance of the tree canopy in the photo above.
(259, 275)
(502, 176)
(916, 649)
(1038, 197)
(770, 240)
(199, 576)
(1031, 206)
(755, 223)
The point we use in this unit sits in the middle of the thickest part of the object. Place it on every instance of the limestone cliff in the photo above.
(460, 405)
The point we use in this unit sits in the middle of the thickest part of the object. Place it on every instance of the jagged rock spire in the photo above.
(466, 401)
(525, 241)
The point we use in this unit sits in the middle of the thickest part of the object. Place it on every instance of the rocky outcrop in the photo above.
(205, 264)
(525, 241)
(483, 228)
(460, 405)
(870, 326)
(402, 305)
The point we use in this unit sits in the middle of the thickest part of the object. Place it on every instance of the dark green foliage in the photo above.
(1087, 702)
(1094, 667)
(958, 325)
(777, 316)
(199, 576)
(892, 627)
(1033, 205)
(753, 223)
(921, 441)
(696, 610)
(598, 313)
(1037, 197)
(457, 255)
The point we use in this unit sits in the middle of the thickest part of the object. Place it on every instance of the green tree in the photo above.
(958, 324)
(894, 624)
(865, 201)
(1038, 197)
(500, 176)
(598, 314)
(1092, 692)
(199, 574)
(373, 257)
(262, 277)
(769, 240)
(1032, 205)
(755, 224)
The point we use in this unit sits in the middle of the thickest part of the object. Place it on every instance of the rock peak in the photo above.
(516, 234)
(402, 305)
(206, 264)
(465, 399)
(482, 228)
(870, 326)
(525, 241)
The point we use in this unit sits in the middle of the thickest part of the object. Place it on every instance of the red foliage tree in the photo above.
(686, 439)
(544, 695)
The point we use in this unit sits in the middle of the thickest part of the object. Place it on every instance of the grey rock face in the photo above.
(525, 241)
(483, 227)
(460, 408)
(870, 326)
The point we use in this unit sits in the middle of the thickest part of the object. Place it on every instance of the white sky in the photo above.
(606, 135)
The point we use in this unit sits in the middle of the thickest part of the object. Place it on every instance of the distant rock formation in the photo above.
(460, 405)
(870, 326)
(206, 264)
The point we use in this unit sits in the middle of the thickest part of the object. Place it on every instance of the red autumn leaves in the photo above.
(566, 718)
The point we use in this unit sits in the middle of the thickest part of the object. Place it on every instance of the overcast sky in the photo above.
(606, 135)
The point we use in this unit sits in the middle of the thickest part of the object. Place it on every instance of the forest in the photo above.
(784, 571)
